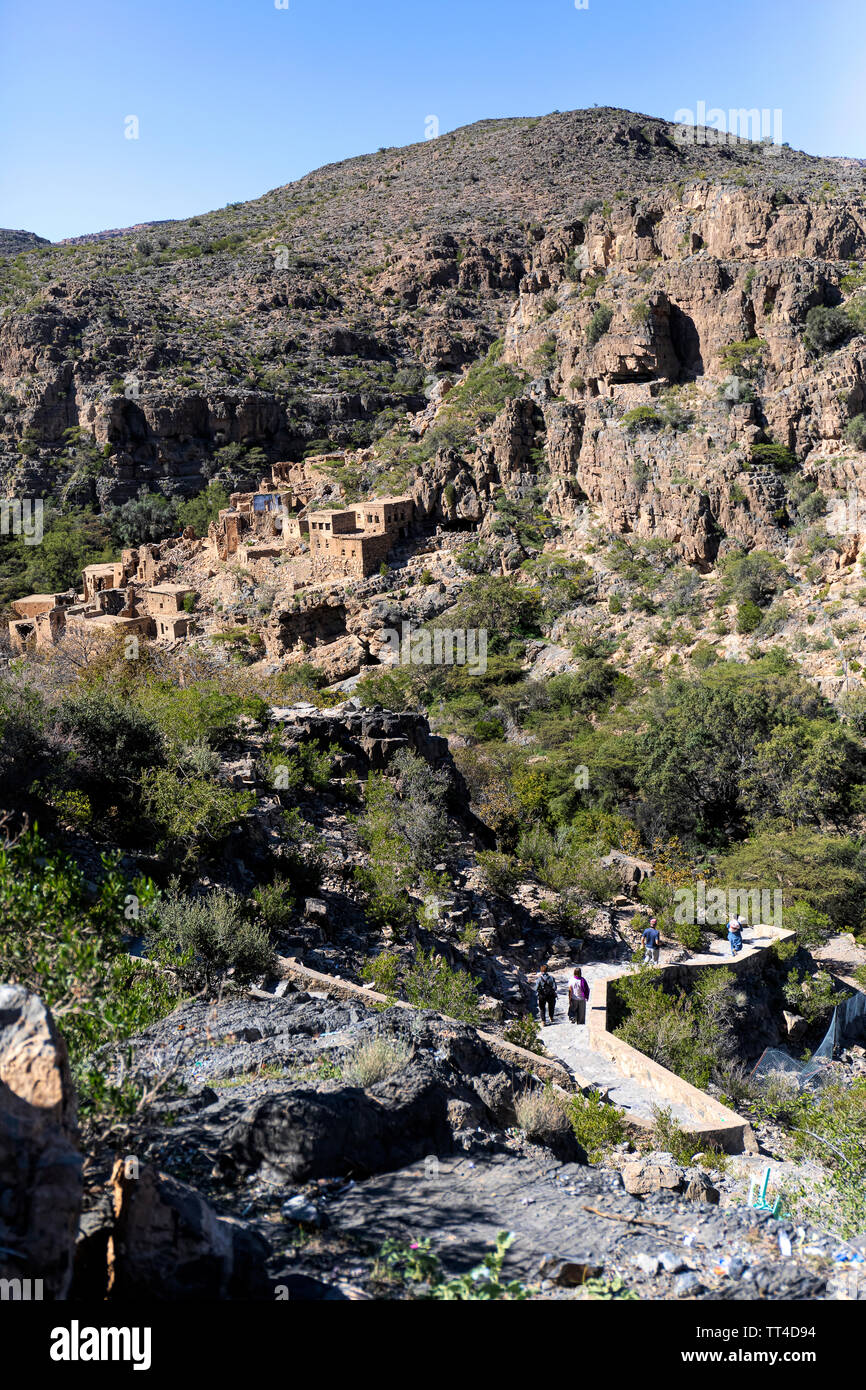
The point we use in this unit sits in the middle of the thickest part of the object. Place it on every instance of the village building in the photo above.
(136, 594)
(358, 540)
(111, 602)
(170, 607)
(95, 578)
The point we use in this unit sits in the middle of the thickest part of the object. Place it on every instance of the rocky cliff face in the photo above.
(324, 311)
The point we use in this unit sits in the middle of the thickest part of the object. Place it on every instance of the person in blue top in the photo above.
(650, 938)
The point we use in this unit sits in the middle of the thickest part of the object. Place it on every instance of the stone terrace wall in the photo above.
(722, 1126)
(545, 1067)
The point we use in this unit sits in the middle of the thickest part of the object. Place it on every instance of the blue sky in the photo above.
(235, 97)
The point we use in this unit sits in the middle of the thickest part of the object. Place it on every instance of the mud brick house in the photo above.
(111, 602)
(253, 525)
(357, 540)
(40, 619)
(96, 578)
(165, 605)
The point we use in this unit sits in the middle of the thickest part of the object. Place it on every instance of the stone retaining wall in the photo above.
(721, 1125)
(545, 1067)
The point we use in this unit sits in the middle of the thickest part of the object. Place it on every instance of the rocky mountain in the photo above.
(316, 316)
(14, 243)
(109, 232)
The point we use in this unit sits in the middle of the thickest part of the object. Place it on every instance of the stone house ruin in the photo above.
(357, 540)
(349, 541)
(256, 524)
(113, 599)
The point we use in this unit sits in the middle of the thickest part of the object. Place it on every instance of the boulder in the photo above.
(568, 1274)
(640, 1177)
(40, 1165)
(166, 1243)
(337, 1130)
(658, 1174)
(452, 1082)
(700, 1189)
(795, 1025)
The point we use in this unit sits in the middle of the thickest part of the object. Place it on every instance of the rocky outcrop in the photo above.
(430, 249)
(167, 1243)
(40, 1164)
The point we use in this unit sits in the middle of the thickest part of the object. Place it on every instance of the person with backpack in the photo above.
(650, 938)
(578, 994)
(546, 993)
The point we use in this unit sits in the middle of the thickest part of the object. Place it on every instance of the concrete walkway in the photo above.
(569, 1042)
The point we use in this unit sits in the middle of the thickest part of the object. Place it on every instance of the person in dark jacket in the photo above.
(546, 993)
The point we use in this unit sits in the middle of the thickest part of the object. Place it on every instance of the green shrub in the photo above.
(755, 578)
(275, 903)
(831, 1128)
(416, 1266)
(505, 609)
(599, 323)
(825, 871)
(204, 938)
(201, 711)
(777, 456)
(669, 1136)
(744, 358)
(306, 765)
(691, 1033)
(813, 996)
(430, 983)
(114, 743)
(499, 870)
(598, 1125)
(825, 327)
(191, 814)
(643, 417)
(64, 939)
(525, 1032)
(855, 432)
(383, 973)
(749, 617)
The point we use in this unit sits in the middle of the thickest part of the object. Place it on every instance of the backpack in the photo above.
(546, 988)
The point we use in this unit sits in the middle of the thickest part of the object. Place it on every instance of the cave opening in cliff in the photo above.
(686, 344)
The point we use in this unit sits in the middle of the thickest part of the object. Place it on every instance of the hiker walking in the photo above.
(578, 994)
(735, 934)
(546, 992)
(650, 938)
